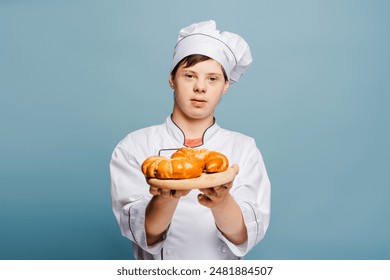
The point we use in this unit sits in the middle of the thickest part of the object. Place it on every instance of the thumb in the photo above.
(203, 200)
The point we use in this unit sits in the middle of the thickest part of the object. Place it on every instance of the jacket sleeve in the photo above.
(130, 196)
(252, 191)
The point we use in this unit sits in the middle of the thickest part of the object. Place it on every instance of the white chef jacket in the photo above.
(192, 233)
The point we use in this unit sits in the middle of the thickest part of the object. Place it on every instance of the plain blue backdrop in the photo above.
(77, 76)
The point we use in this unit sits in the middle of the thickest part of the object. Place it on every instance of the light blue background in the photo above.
(77, 76)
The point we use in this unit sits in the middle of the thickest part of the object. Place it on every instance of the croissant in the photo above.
(185, 163)
(214, 161)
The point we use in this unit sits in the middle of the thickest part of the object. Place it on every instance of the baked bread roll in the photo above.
(185, 163)
(213, 161)
(176, 168)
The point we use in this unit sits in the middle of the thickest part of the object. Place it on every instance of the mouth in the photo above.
(198, 103)
(198, 100)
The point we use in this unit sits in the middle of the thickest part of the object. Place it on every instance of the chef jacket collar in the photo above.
(175, 131)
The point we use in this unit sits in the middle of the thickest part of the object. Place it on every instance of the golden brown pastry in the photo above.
(213, 161)
(176, 168)
(185, 163)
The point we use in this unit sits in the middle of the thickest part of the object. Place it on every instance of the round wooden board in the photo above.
(204, 181)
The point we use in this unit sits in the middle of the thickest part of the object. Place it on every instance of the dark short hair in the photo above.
(193, 59)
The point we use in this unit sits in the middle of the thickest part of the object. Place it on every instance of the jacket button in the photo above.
(169, 251)
(223, 249)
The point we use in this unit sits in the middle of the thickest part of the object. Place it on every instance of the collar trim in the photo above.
(178, 133)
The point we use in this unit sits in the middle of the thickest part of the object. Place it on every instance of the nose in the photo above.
(200, 86)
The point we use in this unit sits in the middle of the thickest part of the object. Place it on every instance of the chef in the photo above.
(219, 222)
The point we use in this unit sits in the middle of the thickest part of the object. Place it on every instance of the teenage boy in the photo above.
(223, 222)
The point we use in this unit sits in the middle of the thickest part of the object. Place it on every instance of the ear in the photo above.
(171, 82)
(226, 87)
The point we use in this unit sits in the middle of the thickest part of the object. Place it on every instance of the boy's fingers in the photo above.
(154, 190)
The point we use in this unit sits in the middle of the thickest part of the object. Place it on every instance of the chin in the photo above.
(200, 116)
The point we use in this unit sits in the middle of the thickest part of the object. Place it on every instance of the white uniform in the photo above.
(192, 233)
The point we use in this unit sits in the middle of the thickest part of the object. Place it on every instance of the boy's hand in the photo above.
(213, 197)
(167, 193)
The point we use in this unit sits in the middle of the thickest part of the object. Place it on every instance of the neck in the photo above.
(192, 128)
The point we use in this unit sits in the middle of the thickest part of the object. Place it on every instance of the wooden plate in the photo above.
(204, 181)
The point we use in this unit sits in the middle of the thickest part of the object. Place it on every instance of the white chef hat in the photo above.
(229, 49)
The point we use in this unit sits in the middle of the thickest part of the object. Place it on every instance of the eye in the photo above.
(213, 79)
(189, 76)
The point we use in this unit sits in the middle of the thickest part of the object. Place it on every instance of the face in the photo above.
(198, 89)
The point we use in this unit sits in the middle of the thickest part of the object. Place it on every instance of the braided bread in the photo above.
(185, 163)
